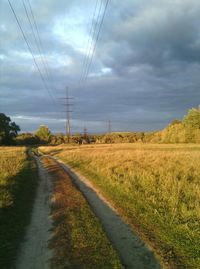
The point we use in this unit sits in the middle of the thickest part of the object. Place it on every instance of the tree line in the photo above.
(186, 130)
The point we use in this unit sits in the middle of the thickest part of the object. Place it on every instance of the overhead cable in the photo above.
(30, 49)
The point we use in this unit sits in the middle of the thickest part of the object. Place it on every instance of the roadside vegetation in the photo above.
(17, 189)
(78, 240)
(155, 188)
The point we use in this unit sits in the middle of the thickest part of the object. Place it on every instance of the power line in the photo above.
(47, 69)
(97, 38)
(39, 50)
(33, 32)
(29, 48)
(29, 20)
(91, 37)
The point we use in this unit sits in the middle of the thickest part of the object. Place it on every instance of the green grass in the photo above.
(78, 240)
(17, 190)
(156, 189)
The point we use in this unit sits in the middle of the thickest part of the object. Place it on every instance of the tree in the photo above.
(8, 130)
(43, 134)
(192, 119)
(57, 139)
(27, 139)
(175, 121)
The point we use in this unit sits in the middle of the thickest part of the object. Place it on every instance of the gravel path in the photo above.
(34, 252)
(132, 251)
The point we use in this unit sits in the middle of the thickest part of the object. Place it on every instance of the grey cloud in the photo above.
(152, 48)
(162, 31)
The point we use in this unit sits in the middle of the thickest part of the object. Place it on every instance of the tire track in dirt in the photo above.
(34, 252)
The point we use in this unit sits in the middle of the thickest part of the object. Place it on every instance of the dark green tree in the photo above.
(43, 134)
(8, 130)
(27, 139)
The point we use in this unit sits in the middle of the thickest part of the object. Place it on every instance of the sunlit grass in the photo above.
(11, 162)
(17, 189)
(156, 188)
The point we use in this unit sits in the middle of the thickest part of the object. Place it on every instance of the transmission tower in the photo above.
(85, 133)
(109, 126)
(68, 112)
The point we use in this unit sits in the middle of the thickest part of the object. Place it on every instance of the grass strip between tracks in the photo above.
(78, 239)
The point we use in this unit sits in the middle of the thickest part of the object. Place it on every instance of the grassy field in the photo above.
(156, 188)
(17, 189)
(78, 240)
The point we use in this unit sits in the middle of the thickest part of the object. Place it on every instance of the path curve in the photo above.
(132, 251)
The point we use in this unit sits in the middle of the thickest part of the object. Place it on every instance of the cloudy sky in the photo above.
(145, 69)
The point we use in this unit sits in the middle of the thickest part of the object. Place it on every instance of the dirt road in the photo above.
(34, 252)
(132, 251)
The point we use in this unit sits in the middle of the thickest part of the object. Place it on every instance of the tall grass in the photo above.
(156, 188)
(17, 189)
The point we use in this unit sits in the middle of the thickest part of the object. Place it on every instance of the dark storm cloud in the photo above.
(145, 71)
(162, 31)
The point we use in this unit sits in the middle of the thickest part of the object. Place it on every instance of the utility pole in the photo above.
(85, 132)
(109, 126)
(68, 112)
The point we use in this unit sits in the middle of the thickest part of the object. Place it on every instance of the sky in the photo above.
(145, 70)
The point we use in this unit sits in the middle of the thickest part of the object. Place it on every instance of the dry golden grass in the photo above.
(11, 162)
(156, 188)
(17, 189)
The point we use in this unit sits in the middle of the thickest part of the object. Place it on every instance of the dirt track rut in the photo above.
(34, 252)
